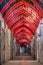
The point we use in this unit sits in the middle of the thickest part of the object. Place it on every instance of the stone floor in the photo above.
(22, 63)
(25, 56)
(23, 60)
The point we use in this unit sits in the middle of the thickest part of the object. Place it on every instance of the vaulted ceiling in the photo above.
(22, 17)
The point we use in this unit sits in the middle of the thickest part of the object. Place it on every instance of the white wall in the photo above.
(40, 41)
(5, 41)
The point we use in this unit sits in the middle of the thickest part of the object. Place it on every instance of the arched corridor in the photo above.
(21, 32)
(10, 50)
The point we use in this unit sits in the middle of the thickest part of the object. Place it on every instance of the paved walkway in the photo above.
(25, 58)
(22, 63)
(29, 58)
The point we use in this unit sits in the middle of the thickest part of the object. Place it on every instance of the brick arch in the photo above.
(22, 18)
